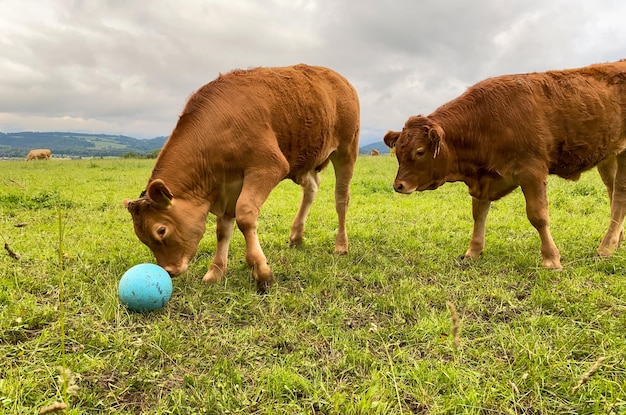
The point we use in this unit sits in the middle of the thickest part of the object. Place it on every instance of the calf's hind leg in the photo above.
(344, 168)
(613, 235)
(310, 184)
(224, 230)
(608, 170)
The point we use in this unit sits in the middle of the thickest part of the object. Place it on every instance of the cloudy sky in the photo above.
(128, 66)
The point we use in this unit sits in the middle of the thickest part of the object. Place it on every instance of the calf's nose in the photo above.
(173, 270)
(169, 270)
(398, 187)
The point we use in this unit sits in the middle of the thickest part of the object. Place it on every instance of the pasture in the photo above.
(366, 333)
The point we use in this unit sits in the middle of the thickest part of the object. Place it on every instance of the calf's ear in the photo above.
(436, 135)
(390, 138)
(159, 193)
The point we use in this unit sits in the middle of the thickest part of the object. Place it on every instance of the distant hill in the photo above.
(76, 144)
(65, 144)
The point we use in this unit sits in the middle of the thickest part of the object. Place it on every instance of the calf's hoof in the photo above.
(465, 261)
(263, 277)
(341, 244)
(605, 251)
(553, 264)
(262, 287)
(470, 256)
(341, 248)
(213, 275)
(294, 243)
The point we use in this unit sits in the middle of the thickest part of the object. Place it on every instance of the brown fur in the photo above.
(236, 139)
(514, 130)
(39, 154)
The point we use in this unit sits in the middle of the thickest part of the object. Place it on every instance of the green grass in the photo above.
(366, 333)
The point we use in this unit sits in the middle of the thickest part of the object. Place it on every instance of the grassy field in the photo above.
(366, 333)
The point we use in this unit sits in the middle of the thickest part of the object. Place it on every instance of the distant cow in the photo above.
(237, 138)
(39, 154)
(514, 130)
(374, 152)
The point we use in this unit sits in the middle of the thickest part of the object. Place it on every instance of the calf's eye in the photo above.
(161, 231)
(419, 152)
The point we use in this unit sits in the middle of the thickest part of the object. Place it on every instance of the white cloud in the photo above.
(128, 67)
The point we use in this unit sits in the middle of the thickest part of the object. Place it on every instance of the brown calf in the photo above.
(237, 138)
(515, 130)
(39, 154)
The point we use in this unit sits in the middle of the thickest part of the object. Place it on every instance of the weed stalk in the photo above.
(62, 307)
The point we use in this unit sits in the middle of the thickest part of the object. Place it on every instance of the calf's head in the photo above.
(171, 227)
(422, 155)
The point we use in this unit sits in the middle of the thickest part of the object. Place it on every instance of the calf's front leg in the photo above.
(256, 188)
(480, 209)
(535, 193)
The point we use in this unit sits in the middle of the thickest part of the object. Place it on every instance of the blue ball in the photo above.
(145, 287)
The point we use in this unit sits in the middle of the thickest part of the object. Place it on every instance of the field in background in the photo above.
(366, 333)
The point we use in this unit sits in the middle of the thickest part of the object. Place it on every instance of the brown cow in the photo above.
(374, 152)
(39, 154)
(514, 130)
(237, 138)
